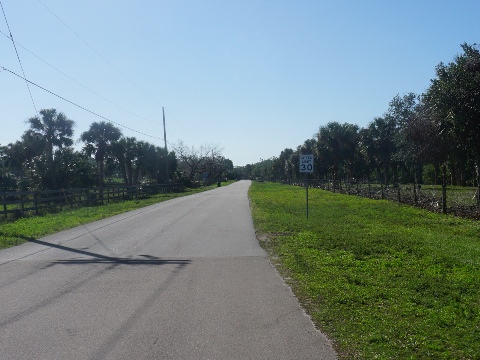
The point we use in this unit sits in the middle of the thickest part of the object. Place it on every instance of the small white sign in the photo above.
(306, 163)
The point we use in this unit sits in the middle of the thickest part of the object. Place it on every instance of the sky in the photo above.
(250, 77)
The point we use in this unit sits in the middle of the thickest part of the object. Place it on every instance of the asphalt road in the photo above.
(182, 279)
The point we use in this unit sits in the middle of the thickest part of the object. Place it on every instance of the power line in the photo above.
(71, 102)
(172, 146)
(18, 57)
(79, 106)
(78, 83)
(170, 115)
(104, 59)
(96, 52)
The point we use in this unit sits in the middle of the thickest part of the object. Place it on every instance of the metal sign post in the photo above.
(306, 190)
(306, 166)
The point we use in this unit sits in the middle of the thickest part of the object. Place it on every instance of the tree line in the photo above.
(44, 158)
(431, 138)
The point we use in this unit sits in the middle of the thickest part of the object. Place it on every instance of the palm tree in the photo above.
(144, 160)
(336, 147)
(98, 142)
(124, 151)
(53, 130)
(382, 135)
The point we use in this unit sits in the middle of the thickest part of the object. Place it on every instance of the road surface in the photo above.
(182, 279)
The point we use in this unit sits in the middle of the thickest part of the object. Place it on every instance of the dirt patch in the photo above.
(265, 238)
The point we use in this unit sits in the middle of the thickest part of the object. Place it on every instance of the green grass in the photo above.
(19, 231)
(382, 280)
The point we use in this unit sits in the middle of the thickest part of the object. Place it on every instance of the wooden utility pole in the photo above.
(166, 150)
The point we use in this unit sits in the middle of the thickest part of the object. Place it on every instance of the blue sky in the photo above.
(251, 77)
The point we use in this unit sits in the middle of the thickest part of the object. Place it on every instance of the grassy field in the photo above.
(17, 232)
(382, 280)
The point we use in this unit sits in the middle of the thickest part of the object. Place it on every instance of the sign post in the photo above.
(306, 166)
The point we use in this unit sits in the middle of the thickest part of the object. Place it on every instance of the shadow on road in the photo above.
(105, 259)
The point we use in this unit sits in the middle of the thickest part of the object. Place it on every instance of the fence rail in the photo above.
(460, 201)
(22, 203)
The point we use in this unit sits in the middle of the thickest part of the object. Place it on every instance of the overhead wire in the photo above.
(18, 57)
(79, 106)
(170, 115)
(100, 55)
(73, 103)
(173, 146)
(80, 84)
(110, 64)
(103, 58)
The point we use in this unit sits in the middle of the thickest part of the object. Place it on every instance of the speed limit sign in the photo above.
(306, 163)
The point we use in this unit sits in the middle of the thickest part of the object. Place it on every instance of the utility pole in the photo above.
(166, 150)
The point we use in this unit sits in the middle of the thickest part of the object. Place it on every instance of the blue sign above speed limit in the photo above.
(306, 163)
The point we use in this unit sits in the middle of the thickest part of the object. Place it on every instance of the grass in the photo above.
(382, 280)
(19, 231)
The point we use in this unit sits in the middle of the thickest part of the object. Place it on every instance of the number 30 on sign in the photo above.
(306, 163)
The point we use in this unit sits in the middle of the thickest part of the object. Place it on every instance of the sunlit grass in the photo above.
(383, 280)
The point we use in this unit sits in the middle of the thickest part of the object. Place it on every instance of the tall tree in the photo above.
(144, 154)
(192, 159)
(74, 169)
(124, 151)
(454, 97)
(381, 137)
(283, 167)
(162, 166)
(400, 111)
(98, 141)
(54, 130)
(336, 146)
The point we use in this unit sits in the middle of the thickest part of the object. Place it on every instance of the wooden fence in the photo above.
(22, 203)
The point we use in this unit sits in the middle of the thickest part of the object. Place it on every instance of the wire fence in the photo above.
(456, 200)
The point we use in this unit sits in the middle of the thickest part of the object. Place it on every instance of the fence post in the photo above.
(35, 202)
(4, 201)
(415, 197)
(444, 199)
(444, 189)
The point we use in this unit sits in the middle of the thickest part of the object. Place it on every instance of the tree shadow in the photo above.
(105, 259)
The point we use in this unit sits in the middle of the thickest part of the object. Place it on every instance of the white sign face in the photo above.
(306, 163)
